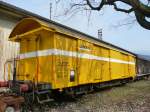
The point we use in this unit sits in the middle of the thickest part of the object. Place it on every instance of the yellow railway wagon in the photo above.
(63, 59)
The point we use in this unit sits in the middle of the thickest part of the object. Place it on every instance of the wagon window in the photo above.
(72, 76)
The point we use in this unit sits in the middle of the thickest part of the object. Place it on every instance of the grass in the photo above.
(132, 97)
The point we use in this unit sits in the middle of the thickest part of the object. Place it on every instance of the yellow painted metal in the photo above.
(132, 69)
(9, 70)
(39, 68)
(106, 73)
(84, 65)
(63, 65)
(26, 25)
(53, 57)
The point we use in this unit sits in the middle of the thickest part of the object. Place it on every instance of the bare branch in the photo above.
(96, 8)
(142, 20)
(122, 10)
(140, 9)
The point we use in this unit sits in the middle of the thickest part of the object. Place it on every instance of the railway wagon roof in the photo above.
(24, 13)
(143, 57)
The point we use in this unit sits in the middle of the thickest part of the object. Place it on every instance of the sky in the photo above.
(131, 37)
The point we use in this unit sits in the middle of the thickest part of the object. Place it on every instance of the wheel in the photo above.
(9, 109)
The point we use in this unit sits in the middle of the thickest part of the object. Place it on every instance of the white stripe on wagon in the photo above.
(70, 54)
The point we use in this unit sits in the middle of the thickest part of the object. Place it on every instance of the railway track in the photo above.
(12, 102)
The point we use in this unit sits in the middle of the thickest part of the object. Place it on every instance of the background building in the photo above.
(9, 16)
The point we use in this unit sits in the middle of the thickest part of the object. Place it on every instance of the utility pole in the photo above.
(50, 16)
(100, 34)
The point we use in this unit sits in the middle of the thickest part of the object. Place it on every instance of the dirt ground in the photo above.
(132, 97)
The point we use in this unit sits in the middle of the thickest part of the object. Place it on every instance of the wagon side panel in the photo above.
(96, 65)
(105, 70)
(65, 61)
(85, 55)
(132, 66)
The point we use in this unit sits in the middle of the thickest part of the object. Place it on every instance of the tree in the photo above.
(140, 9)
